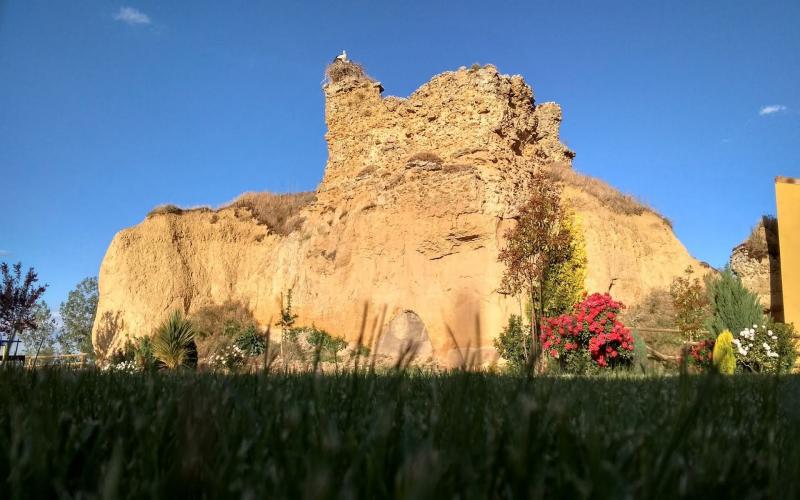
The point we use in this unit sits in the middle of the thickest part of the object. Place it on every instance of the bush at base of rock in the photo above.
(230, 358)
(700, 354)
(723, 357)
(251, 342)
(513, 343)
(593, 327)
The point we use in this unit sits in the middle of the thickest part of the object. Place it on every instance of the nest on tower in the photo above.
(339, 70)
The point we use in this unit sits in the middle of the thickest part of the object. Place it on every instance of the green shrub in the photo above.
(124, 354)
(723, 358)
(173, 343)
(325, 347)
(733, 306)
(216, 326)
(786, 348)
(765, 348)
(144, 357)
(251, 342)
(228, 358)
(514, 343)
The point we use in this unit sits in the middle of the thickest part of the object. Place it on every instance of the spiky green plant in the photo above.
(723, 358)
(173, 341)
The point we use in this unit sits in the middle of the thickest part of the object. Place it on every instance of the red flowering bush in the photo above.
(701, 354)
(592, 335)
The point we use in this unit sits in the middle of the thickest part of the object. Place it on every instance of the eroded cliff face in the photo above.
(408, 220)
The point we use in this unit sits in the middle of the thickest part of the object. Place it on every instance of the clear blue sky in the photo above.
(108, 109)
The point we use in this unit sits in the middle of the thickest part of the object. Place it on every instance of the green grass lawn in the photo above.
(91, 434)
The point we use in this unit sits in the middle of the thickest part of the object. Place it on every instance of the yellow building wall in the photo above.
(787, 198)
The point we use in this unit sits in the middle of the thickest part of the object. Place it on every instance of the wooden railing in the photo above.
(60, 360)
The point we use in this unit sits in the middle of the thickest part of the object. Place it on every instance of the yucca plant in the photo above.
(173, 341)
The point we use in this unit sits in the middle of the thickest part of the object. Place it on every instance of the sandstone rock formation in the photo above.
(757, 263)
(409, 217)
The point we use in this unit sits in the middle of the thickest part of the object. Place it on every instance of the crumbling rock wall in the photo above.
(408, 222)
(757, 263)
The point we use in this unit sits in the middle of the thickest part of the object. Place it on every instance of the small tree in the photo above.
(690, 300)
(733, 306)
(535, 249)
(286, 323)
(41, 338)
(77, 315)
(18, 298)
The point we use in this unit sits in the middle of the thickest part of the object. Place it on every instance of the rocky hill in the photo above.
(416, 196)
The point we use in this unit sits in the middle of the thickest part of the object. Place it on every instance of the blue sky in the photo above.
(108, 109)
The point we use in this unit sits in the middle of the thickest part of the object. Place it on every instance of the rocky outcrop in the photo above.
(408, 220)
(757, 263)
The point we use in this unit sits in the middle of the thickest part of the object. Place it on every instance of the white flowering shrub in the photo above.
(229, 358)
(757, 349)
(128, 366)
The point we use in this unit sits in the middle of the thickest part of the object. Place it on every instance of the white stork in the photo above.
(342, 57)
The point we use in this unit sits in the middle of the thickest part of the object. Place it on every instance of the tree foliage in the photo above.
(41, 338)
(733, 306)
(77, 315)
(18, 298)
(690, 300)
(536, 248)
(566, 283)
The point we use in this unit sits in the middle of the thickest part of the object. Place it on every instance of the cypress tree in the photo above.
(734, 306)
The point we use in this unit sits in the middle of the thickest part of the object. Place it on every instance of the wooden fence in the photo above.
(61, 360)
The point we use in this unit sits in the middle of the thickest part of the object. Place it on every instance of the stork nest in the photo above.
(338, 71)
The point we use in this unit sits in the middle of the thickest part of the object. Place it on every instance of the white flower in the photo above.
(766, 346)
(754, 326)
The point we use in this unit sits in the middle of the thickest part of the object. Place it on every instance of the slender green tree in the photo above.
(536, 248)
(18, 298)
(77, 315)
(286, 323)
